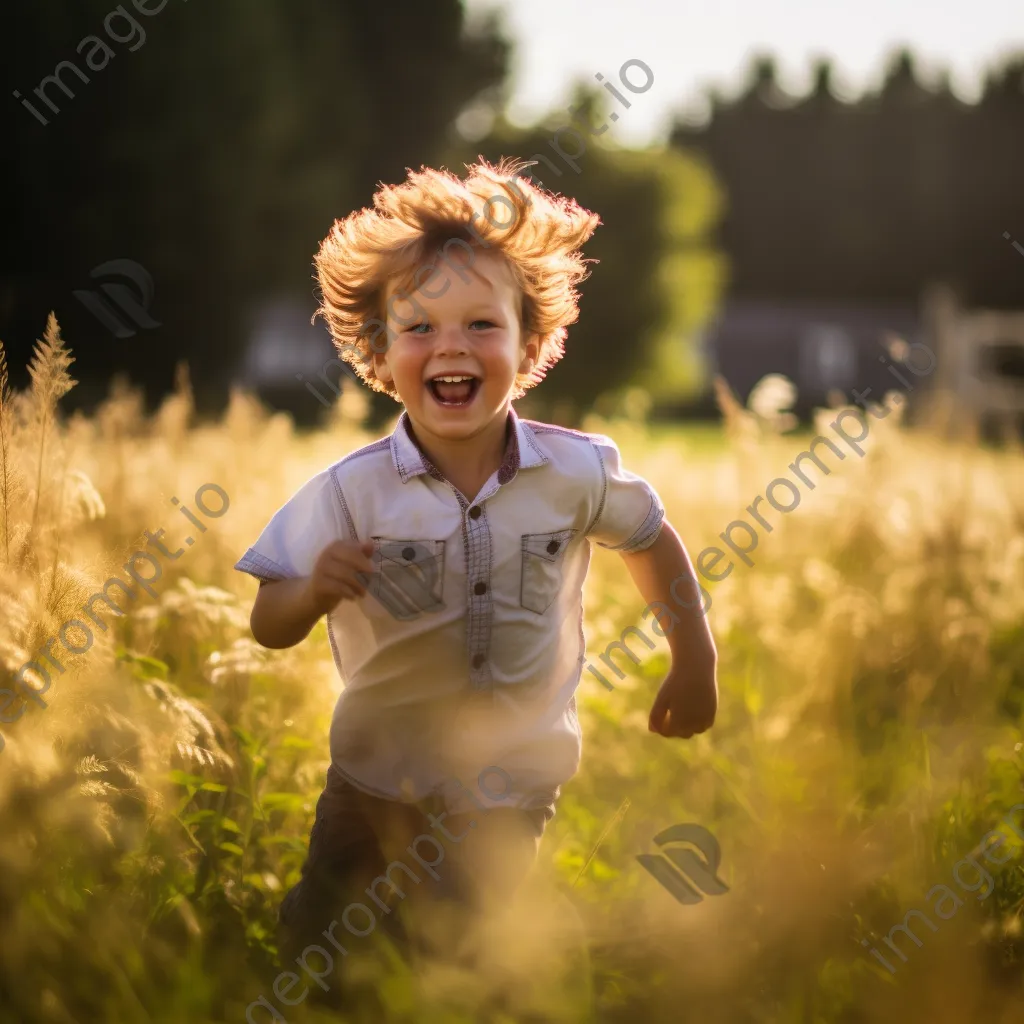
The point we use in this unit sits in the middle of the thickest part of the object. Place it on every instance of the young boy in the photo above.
(449, 558)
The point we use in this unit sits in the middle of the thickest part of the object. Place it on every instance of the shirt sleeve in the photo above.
(293, 539)
(630, 513)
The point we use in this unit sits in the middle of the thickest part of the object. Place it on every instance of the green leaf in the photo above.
(294, 842)
(188, 832)
(181, 778)
(213, 787)
(247, 739)
(198, 816)
(284, 801)
(232, 848)
(143, 666)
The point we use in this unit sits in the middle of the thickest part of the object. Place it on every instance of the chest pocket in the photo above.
(408, 576)
(543, 555)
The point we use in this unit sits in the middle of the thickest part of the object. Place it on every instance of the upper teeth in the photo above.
(453, 380)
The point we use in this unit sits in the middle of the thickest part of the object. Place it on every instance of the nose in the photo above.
(451, 341)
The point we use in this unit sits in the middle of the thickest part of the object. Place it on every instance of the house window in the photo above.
(1002, 360)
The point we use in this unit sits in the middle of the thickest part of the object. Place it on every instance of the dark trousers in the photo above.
(367, 855)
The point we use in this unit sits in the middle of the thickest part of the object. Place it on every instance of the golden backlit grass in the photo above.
(871, 674)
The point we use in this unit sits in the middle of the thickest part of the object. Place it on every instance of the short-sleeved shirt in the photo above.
(468, 647)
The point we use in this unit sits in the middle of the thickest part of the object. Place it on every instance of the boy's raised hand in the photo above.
(339, 573)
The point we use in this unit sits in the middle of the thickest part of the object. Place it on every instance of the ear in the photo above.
(381, 369)
(531, 352)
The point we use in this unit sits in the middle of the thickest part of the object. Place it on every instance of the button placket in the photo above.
(477, 534)
(478, 573)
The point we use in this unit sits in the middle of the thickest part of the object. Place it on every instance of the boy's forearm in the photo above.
(654, 571)
(283, 613)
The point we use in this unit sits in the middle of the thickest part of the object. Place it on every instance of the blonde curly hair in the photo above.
(412, 225)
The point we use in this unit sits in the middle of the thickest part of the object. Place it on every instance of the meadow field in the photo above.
(156, 794)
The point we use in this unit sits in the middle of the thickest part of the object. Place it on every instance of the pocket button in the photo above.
(542, 564)
(408, 576)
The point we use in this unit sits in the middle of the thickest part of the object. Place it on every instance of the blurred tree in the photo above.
(656, 279)
(870, 200)
(216, 154)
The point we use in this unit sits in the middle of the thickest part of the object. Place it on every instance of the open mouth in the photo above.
(453, 390)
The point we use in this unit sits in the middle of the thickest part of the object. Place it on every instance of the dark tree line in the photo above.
(870, 200)
(216, 153)
(655, 276)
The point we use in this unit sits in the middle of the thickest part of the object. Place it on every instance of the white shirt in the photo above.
(468, 647)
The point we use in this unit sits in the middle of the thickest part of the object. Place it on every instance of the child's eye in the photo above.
(482, 324)
(416, 328)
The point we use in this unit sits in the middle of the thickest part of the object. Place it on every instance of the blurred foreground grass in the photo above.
(872, 680)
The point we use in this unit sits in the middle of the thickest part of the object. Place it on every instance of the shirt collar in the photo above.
(521, 451)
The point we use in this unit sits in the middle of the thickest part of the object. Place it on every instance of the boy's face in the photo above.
(457, 347)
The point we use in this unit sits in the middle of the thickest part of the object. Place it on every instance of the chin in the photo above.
(454, 428)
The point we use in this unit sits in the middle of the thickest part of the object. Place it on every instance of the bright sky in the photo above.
(689, 44)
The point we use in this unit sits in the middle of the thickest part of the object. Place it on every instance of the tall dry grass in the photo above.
(872, 678)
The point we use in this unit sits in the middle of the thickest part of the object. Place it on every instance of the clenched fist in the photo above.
(687, 701)
(339, 574)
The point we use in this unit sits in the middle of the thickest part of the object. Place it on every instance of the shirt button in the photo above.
(408, 554)
(553, 546)
(478, 660)
(480, 588)
(474, 512)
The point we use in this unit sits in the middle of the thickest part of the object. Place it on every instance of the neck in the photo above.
(467, 462)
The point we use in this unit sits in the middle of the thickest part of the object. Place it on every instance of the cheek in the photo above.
(406, 360)
(499, 354)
